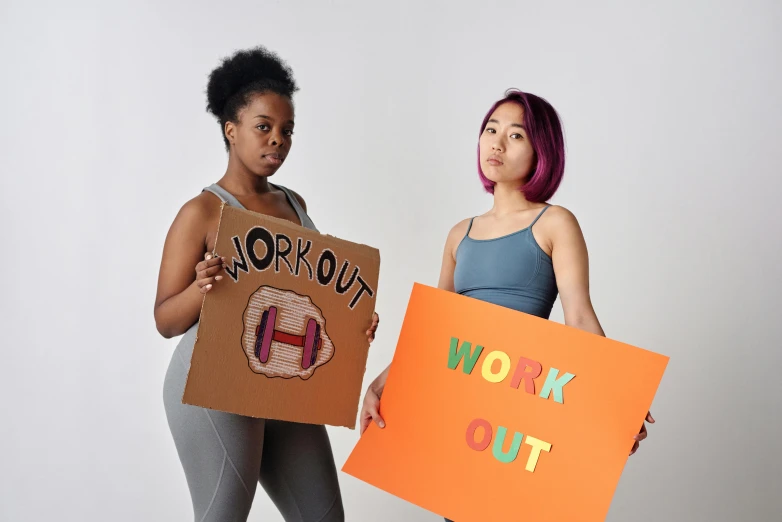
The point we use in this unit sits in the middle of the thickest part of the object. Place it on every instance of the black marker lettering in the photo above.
(283, 253)
(323, 277)
(341, 288)
(364, 288)
(300, 257)
(253, 236)
(238, 264)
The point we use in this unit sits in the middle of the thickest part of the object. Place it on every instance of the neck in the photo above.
(238, 180)
(508, 199)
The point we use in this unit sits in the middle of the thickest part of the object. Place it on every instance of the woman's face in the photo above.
(262, 136)
(506, 153)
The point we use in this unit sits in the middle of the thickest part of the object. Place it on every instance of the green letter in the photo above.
(464, 352)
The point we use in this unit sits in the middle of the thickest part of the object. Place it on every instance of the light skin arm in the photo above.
(571, 266)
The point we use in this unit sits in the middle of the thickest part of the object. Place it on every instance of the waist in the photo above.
(521, 301)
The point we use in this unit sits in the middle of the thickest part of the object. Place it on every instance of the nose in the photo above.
(497, 146)
(276, 138)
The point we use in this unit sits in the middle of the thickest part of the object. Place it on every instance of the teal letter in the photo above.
(464, 352)
(511, 454)
(552, 383)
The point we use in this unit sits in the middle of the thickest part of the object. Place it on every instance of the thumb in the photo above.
(377, 418)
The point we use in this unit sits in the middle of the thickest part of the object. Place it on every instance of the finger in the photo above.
(365, 421)
(204, 265)
(207, 281)
(641, 435)
(209, 272)
(206, 288)
(635, 448)
(649, 417)
(377, 418)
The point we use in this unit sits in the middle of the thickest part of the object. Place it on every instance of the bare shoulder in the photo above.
(456, 234)
(197, 218)
(299, 199)
(459, 230)
(204, 207)
(560, 220)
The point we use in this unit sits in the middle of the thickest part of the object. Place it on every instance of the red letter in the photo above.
(526, 370)
(484, 443)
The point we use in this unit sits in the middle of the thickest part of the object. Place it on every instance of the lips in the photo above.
(494, 161)
(274, 159)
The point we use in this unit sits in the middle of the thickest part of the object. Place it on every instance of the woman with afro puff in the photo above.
(225, 455)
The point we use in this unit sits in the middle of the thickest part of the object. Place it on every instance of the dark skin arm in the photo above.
(180, 288)
(189, 244)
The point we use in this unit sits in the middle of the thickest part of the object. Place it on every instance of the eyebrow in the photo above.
(271, 119)
(512, 124)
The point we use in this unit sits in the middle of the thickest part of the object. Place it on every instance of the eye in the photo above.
(262, 127)
(289, 132)
(490, 130)
(516, 136)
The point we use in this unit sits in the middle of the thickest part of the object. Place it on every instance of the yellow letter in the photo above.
(504, 368)
(537, 445)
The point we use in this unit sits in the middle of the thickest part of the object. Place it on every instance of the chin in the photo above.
(265, 171)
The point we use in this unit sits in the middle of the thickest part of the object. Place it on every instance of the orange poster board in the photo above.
(495, 415)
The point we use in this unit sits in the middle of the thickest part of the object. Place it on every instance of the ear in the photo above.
(230, 132)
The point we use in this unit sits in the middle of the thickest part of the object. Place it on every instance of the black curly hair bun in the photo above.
(247, 72)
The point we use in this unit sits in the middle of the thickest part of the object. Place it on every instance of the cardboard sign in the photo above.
(492, 414)
(283, 335)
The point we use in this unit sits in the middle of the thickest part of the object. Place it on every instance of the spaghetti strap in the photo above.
(538, 216)
(469, 227)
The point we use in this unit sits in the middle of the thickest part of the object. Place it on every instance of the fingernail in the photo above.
(208, 257)
(217, 278)
(208, 287)
(382, 424)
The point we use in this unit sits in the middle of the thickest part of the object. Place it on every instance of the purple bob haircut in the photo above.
(544, 131)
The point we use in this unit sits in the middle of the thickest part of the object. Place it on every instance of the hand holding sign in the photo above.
(485, 406)
(207, 272)
(286, 332)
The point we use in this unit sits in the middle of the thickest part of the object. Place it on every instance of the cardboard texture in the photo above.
(283, 335)
(465, 439)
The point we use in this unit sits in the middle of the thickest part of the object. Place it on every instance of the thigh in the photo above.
(299, 474)
(220, 453)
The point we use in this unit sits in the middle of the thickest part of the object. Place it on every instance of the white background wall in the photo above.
(673, 120)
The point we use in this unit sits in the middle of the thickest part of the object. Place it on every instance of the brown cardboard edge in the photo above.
(201, 311)
(373, 253)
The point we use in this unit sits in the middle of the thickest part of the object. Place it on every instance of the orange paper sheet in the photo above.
(560, 457)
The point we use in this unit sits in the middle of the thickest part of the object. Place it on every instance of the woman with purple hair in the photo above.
(523, 252)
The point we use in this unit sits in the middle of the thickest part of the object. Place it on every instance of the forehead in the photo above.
(269, 104)
(508, 112)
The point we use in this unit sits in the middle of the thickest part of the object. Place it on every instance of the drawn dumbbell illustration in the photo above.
(266, 332)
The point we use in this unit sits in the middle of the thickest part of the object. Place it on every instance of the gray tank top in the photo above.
(185, 347)
(510, 271)
(229, 199)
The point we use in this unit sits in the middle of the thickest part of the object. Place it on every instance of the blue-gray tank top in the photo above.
(510, 271)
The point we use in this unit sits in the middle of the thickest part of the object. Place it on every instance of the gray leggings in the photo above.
(225, 456)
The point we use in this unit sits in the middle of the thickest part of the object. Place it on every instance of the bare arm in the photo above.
(571, 266)
(179, 295)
